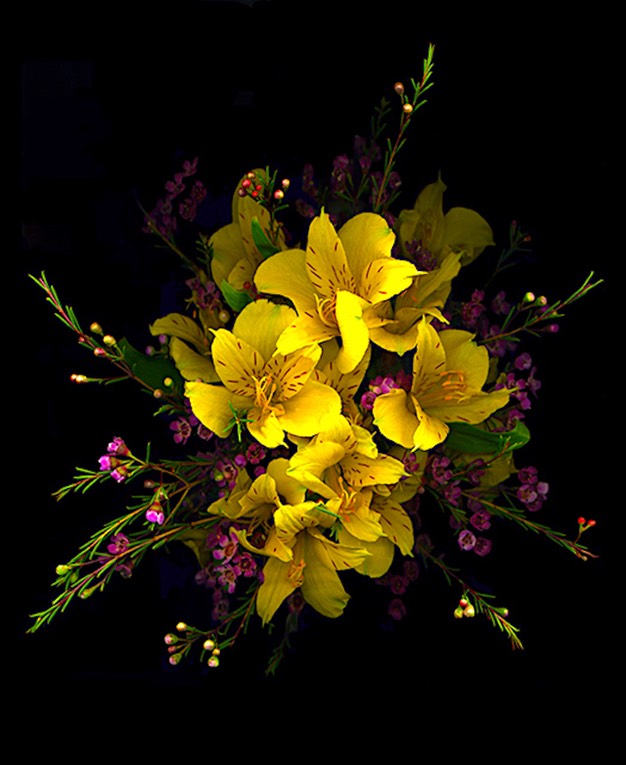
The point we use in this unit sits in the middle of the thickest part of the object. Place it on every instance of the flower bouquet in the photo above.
(342, 405)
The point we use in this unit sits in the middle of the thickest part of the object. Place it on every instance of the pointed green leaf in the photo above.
(152, 370)
(474, 440)
(236, 299)
(263, 244)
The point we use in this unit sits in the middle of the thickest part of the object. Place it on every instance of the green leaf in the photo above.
(236, 299)
(474, 440)
(151, 370)
(263, 244)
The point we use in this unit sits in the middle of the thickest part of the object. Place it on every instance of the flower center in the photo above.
(326, 309)
(295, 575)
(265, 390)
(445, 387)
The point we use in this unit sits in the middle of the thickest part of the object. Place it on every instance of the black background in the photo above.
(522, 125)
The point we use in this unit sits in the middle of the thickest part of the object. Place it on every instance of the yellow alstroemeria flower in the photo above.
(271, 393)
(311, 563)
(337, 284)
(426, 227)
(194, 363)
(343, 465)
(299, 554)
(449, 372)
(235, 256)
(398, 532)
(425, 297)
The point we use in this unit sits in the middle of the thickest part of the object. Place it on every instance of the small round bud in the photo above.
(78, 378)
(208, 644)
(463, 602)
(213, 661)
(216, 651)
(458, 612)
(157, 393)
(469, 610)
(175, 659)
(251, 176)
(407, 108)
(582, 521)
(62, 569)
(168, 382)
(399, 88)
(170, 639)
(223, 316)
(529, 297)
(242, 192)
(181, 626)
(246, 183)
(149, 484)
(109, 340)
(96, 328)
(99, 352)
(542, 300)
(279, 194)
(285, 183)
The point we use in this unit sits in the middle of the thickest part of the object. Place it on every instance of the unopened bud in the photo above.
(407, 108)
(62, 569)
(96, 328)
(109, 340)
(209, 644)
(399, 88)
(181, 626)
(213, 661)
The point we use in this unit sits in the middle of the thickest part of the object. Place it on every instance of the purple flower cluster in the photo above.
(163, 215)
(532, 492)
(228, 564)
(111, 462)
(398, 584)
(117, 546)
(469, 541)
(380, 385)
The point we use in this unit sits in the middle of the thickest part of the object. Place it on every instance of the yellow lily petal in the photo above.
(285, 274)
(227, 249)
(304, 414)
(190, 364)
(353, 330)
(322, 587)
(366, 238)
(384, 278)
(265, 426)
(237, 363)
(360, 470)
(213, 406)
(310, 462)
(326, 262)
(467, 232)
(393, 418)
(183, 327)
(280, 579)
(381, 553)
(396, 523)
(260, 325)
